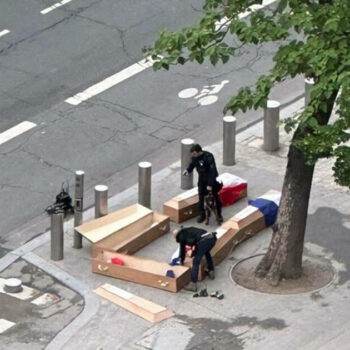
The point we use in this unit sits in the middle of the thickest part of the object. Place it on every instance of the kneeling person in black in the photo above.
(201, 243)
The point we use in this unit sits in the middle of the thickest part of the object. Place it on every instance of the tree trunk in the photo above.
(283, 258)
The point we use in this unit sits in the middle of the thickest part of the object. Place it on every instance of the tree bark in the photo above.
(283, 258)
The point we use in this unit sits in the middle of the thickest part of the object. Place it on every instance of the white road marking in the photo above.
(207, 100)
(132, 70)
(15, 131)
(206, 96)
(5, 325)
(54, 6)
(4, 32)
(188, 93)
(256, 7)
(110, 81)
(224, 23)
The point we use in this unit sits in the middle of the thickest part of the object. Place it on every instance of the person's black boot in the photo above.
(211, 274)
(200, 219)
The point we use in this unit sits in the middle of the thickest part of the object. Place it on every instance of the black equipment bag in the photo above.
(63, 202)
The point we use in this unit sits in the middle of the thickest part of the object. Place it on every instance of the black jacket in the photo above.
(188, 236)
(206, 167)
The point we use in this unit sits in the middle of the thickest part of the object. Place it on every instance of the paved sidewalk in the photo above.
(244, 319)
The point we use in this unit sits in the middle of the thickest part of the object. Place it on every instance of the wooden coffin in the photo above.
(182, 207)
(250, 220)
(151, 273)
(246, 223)
(141, 307)
(126, 230)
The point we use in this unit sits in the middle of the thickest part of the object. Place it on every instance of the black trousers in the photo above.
(202, 192)
(203, 248)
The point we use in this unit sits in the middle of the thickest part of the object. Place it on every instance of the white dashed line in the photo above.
(224, 23)
(4, 32)
(55, 6)
(256, 7)
(15, 131)
(110, 82)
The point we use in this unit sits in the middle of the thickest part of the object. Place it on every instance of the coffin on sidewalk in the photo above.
(182, 207)
(148, 272)
(259, 214)
(185, 206)
(126, 230)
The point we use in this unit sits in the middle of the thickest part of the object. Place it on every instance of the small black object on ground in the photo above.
(63, 202)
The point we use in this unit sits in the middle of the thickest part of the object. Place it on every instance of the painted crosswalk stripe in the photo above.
(4, 32)
(15, 131)
(54, 6)
(5, 325)
(110, 81)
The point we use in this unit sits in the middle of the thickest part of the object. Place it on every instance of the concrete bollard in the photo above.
(309, 83)
(145, 176)
(101, 201)
(186, 181)
(78, 208)
(13, 285)
(271, 127)
(57, 238)
(229, 140)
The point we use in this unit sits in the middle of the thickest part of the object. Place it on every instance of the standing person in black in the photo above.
(204, 162)
(201, 243)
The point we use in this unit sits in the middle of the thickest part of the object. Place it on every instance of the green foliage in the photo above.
(322, 53)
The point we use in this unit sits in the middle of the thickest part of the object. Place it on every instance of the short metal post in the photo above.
(271, 127)
(101, 201)
(145, 174)
(309, 83)
(186, 181)
(78, 207)
(57, 236)
(229, 140)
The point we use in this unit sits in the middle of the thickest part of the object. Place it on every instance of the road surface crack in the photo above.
(14, 45)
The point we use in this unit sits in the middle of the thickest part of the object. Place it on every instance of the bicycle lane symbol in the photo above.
(206, 96)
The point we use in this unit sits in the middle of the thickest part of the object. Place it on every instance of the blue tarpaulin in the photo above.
(268, 208)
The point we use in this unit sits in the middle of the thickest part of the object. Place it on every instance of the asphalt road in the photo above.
(47, 58)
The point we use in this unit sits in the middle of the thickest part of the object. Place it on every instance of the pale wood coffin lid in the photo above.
(135, 304)
(100, 228)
